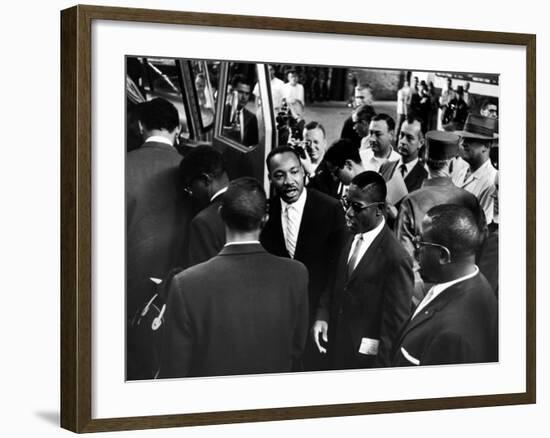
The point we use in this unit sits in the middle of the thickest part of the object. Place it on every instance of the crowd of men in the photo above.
(378, 251)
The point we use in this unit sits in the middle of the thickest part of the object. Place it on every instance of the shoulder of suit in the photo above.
(321, 198)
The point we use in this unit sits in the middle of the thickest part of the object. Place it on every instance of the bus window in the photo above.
(242, 117)
(159, 77)
(204, 90)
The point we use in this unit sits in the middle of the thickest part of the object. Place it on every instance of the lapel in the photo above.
(369, 256)
(388, 169)
(414, 178)
(432, 308)
(308, 218)
(275, 231)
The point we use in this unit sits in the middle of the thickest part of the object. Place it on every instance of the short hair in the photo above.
(297, 103)
(456, 228)
(486, 103)
(239, 79)
(411, 118)
(200, 160)
(244, 204)
(365, 112)
(158, 114)
(373, 183)
(316, 125)
(342, 150)
(386, 118)
(280, 150)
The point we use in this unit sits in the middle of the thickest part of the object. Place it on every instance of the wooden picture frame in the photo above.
(76, 217)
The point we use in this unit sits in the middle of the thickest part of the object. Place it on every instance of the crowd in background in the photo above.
(378, 250)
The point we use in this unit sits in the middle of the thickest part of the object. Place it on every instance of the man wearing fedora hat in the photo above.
(437, 189)
(479, 176)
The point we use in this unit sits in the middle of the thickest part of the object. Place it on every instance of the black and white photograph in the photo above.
(294, 218)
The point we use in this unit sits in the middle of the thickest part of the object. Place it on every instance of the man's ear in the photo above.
(264, 220)
(348, 164)
(444, 257)
(220, 208)
(140, 126)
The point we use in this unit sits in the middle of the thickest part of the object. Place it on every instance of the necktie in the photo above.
(424, 302)
(352, 262)
(403, 169)
(291, 233)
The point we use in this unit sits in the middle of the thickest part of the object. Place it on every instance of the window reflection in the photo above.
(241, 113)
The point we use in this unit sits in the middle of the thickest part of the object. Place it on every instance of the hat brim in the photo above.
(466, 134)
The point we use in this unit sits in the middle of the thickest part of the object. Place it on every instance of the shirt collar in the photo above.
(218, 193)
(408, 165)
(371, 235)
(244, 242)
(298, 204)
(159, 139)
(483, 169)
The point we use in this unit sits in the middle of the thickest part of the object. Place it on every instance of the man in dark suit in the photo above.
(305, 225)
(438, 189)
(368, 299)
(410, 165)
(156, 214)
(239, 123)
(319, 176)
(203, 176)
(242, 312)
(457, 321)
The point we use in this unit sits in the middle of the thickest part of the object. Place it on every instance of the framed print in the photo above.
(164, 112)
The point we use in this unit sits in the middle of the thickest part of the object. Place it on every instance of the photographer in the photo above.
(290, 123)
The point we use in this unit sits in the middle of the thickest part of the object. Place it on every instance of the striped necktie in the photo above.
(352, 262)
(291, 232)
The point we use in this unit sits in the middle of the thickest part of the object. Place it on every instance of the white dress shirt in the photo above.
(295, 212)
(366, 242)
(370, 162)
(218, 193)
(480, 183)
(437, 289)
(159, 139)
(408, 166)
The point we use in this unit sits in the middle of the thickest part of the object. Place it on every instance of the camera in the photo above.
(289, 127)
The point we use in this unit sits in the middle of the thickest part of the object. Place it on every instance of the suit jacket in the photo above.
(206, 234)
(373, 303)
(156, 218)
(434, 191)
(242, 312)
(250, 128)
(324, 181)
(413, 179)
(321, 234)
(458, 326)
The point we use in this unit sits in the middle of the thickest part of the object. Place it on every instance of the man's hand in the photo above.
(307, 164)
(320, 327)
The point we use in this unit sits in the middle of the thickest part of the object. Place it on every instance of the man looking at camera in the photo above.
(376, 148)
(315, 145)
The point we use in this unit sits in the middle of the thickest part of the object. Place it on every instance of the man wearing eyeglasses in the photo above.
(203, 176)
(369, 296)
(457, 321)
